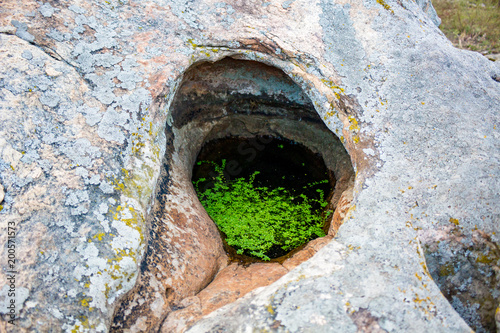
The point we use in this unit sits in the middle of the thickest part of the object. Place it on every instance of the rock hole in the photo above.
(185, 265)
(278, 164)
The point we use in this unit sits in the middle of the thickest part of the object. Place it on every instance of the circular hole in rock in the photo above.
(230, 98)
(267, 195)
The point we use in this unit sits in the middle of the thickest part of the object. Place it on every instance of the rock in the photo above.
(428, 9)
(96, 162)
(235, 281)
(458, 269)
(494, 57)
(2, 193)
(343, 206)
(307, 252)
(232, 283)
(497, 318)
(189, 311)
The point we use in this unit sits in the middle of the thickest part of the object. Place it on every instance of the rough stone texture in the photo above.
(228, 98)
(85, 93)
(465, 269)
(497, 318)
(237, 281)
(342, 208)
(232, 283)
(307, 252)
(2, 193)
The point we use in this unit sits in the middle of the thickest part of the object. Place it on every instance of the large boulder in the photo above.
(95, 161)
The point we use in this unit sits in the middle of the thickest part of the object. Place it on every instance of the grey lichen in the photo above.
(46, 10)
(50, 99)
(22, 31)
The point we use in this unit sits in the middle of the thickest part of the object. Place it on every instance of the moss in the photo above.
(256, 219)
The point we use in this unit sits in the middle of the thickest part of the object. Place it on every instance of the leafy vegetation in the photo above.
(256, 219)
(471, 24)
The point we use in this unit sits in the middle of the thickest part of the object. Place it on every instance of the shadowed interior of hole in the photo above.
(251, 100)
(280, 163)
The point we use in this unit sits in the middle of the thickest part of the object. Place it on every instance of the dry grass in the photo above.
(471, 24)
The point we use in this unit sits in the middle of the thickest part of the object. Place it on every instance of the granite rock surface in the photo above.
(89, 150)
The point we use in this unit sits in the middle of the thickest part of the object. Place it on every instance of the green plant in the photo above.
(471, 24)
(255, 219)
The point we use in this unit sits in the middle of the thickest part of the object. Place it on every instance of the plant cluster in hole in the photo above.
(256, 219)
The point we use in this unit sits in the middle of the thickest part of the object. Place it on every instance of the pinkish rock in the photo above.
(307, 252)
(232, 283)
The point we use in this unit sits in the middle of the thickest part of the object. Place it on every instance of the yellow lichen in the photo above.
(352, 248)
(191, 42)
(350, 211)
(385, 5)
(330, 114)
(337, 91)
(454, 221)
(99, 236)
(354, 124)
(84, 302)
(447, 269)
(485, 259)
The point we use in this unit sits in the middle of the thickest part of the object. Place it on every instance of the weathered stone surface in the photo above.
(2, 193)
(232, 283)
(188, 312)
(497, 318)
(85, 94)
(235, 281)
(343, 205)
(466, 270)
(307, 252)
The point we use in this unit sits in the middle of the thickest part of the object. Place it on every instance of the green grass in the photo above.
(471, 24)
(256, 219)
